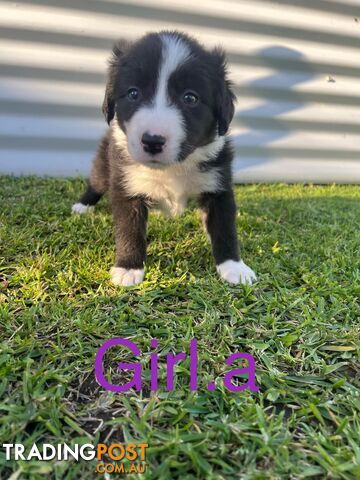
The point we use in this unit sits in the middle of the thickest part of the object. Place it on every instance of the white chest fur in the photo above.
(172, 186)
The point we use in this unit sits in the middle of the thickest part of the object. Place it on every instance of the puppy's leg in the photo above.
(130, 218)
(98, 182)
(220, 211)
(87, 200)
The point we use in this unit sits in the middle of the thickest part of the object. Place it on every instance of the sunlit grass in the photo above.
(300, 322)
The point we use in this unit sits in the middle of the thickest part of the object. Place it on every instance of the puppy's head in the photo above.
(169, 96)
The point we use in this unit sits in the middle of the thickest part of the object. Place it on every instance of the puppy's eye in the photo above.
(190, 98)
(133, 94)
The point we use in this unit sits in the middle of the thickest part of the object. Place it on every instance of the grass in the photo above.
(300, 322)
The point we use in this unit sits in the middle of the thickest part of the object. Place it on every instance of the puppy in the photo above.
(169, 105)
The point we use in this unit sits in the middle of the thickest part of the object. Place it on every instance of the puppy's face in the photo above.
(170, 97)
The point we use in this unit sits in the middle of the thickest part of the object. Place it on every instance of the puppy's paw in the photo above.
(236, 272)
(81, 208)
(126, 277)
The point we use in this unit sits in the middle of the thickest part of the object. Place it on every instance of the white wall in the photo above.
(295, 63)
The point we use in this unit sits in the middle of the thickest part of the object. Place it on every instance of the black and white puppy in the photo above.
(169, 105)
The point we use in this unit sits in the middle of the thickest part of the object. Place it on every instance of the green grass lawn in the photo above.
(300, 321)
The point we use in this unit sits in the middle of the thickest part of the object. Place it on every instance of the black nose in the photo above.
(153, 144)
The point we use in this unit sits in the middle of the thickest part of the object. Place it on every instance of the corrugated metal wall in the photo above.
(295, 63)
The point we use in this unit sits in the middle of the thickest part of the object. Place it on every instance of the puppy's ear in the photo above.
(225, 98)
(119, 50)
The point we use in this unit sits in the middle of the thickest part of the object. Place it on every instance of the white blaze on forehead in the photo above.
(174, 53)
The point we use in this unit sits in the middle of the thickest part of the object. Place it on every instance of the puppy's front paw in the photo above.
(236, 272)
(126, 277)
(81, 208)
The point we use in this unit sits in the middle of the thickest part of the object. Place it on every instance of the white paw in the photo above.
(125, 277)
(81, 208)
(236, 272)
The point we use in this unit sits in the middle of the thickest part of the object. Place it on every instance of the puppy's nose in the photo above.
(152, 144)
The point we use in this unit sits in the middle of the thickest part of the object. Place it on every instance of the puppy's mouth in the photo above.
(155, 163)
(158, 164)
(159, 161)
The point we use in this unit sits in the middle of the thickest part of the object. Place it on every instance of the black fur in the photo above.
(90, 197)
(220, 211)
(130, 217)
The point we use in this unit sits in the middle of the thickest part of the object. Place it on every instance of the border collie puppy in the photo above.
(169, 105)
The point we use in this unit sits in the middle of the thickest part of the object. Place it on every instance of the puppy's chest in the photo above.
(172, 187)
